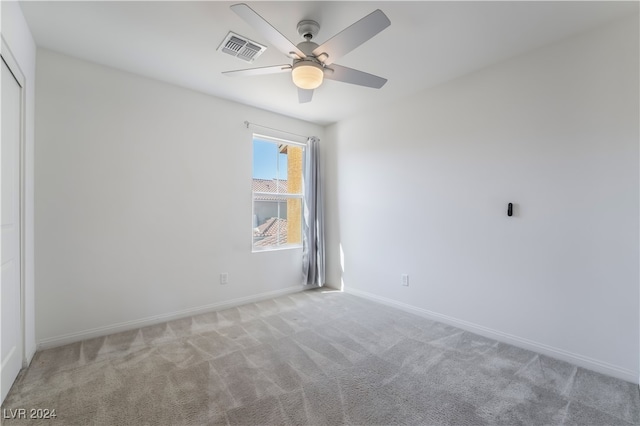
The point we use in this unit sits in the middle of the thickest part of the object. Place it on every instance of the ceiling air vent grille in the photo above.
(241, 47)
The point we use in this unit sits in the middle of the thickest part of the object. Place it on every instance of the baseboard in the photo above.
(157, 319)
(579, 360)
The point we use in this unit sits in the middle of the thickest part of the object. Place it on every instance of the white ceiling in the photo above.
(427, 43)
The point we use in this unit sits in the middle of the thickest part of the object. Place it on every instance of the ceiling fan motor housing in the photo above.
(307, 48)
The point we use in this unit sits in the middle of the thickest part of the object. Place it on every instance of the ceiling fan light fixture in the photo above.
(307, 75)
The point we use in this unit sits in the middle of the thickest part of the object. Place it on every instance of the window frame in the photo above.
(275, 195)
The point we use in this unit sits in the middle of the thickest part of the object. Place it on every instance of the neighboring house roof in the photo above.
(269, 185)
(272, 232)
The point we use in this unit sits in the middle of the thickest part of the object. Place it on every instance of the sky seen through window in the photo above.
(267, 162)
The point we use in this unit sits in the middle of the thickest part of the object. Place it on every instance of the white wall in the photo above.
(422, 186)
(143, 197)
(18, 37)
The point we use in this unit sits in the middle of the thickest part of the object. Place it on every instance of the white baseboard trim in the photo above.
(157, 319)
(561, 354)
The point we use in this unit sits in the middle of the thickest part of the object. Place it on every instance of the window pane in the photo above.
(271, 223)
(265, 160)
(277, 171)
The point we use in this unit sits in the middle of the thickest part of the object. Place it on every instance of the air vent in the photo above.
(241, 47)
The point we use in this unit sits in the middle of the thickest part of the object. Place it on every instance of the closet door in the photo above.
(10, 284)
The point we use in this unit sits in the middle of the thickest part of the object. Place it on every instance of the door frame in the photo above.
(9, 59)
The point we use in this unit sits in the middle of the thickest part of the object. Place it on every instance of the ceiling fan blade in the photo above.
(353, 36)
(266, 29)
(274, 69)
(349, 75)
(305, 95)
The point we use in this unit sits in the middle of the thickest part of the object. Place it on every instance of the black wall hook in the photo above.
(510, 209)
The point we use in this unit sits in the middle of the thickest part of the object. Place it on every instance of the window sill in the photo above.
(276, 248)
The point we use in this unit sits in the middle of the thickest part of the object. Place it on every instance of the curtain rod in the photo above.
(247, 123)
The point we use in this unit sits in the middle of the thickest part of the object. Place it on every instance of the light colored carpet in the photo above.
(313, 358)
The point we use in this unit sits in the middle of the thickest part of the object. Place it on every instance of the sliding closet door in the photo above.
(10, 295)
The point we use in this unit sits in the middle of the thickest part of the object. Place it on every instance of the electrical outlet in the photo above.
(224, 278)
(405, 280)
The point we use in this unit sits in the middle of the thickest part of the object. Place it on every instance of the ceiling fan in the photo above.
(312, 62)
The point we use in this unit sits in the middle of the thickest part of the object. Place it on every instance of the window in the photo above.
(277, 193)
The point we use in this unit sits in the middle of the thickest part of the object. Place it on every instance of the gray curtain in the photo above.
(313, 218)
